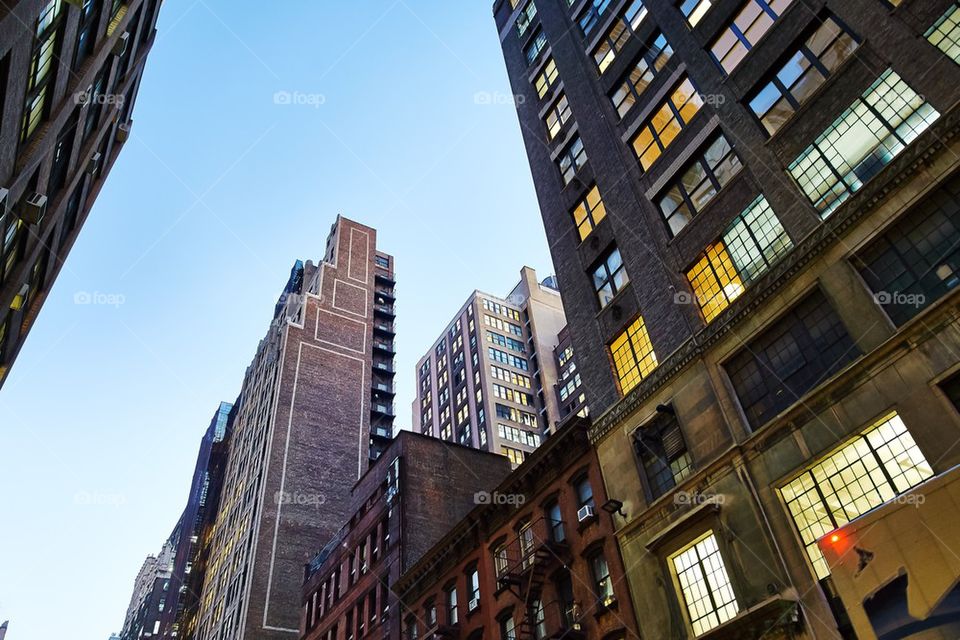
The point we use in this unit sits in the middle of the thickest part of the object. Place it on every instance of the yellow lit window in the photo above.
(589, 213)
(633, 356)
(875, 467)
(546, 78)
(667, 123)
(705, 584)
(715, 281)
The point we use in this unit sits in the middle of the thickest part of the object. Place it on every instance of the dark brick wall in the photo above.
(549, 474)
(27, 168)
(654, 261)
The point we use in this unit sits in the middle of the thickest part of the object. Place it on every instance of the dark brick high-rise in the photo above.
(307, 426)
(69, 74)
(753, 208)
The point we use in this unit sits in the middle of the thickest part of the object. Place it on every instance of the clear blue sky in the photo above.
(216, 194)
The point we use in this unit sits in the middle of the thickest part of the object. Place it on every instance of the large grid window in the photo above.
(705, 584)
(651, 61)
(749, 246)
(699, 183)
(609, 277)
(662, 453)
(571, 159)
(589, 213)
(619, 34)
(917, 260)
(945, 33)
(590, 19)
(42, 68)
(694, 10)
(525, 19)
(558, 115)
(633, 356)
(666, 123)
(745, 30)
(875, 467)
(805, 71)
(546, 78)
(532, 50)
(864, 139)
(802, 349)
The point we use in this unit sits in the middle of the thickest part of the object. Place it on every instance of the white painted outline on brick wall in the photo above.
(333, 303)
(366, 261)
(316, 332)
(283, 472)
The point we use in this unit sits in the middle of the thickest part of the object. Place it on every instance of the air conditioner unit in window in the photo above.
(34, 208)
(120, 46)
(123, 131)
(586, 513)
(93, 165)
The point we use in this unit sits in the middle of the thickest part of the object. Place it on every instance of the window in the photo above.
(699, 183)
(666, 123)
(555, 521)
(532, 50)
(662, 453)
(508, 630)
(584, 492)
(742, 34)
(515, 456)
(705, 585)
(750, 245)
(618, 35)
(601, 577)
(803, 73)
(557, 116)
(800, 350)
(864, 139)
(917, 260)
(573, 157)
(694, 10)
(430, 612)
(945, 33)
(525, 19)
(95, 107)
(453, 617)
(508, 358)
(589, 213)
(412, 632)
(473, 586)
(592, 16)
(86, 34)
(546, 78)
(382, 262)
(42, 68)
(609, 277)
(633, 356)
(876, 466)
(651, 61)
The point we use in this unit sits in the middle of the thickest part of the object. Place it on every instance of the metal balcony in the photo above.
(384, 328)
(382, 387)
(384, 368)
(384, 310)
(524, 561)
(384, 277)
(383, 409)
(384, 295)
(381, 431)
(384, 347)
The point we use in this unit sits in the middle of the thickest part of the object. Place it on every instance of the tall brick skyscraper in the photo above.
(307, 426)
(753, 207)
(489, 380)
(69, 74)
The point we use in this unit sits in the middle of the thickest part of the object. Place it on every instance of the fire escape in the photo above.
(524, 567)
